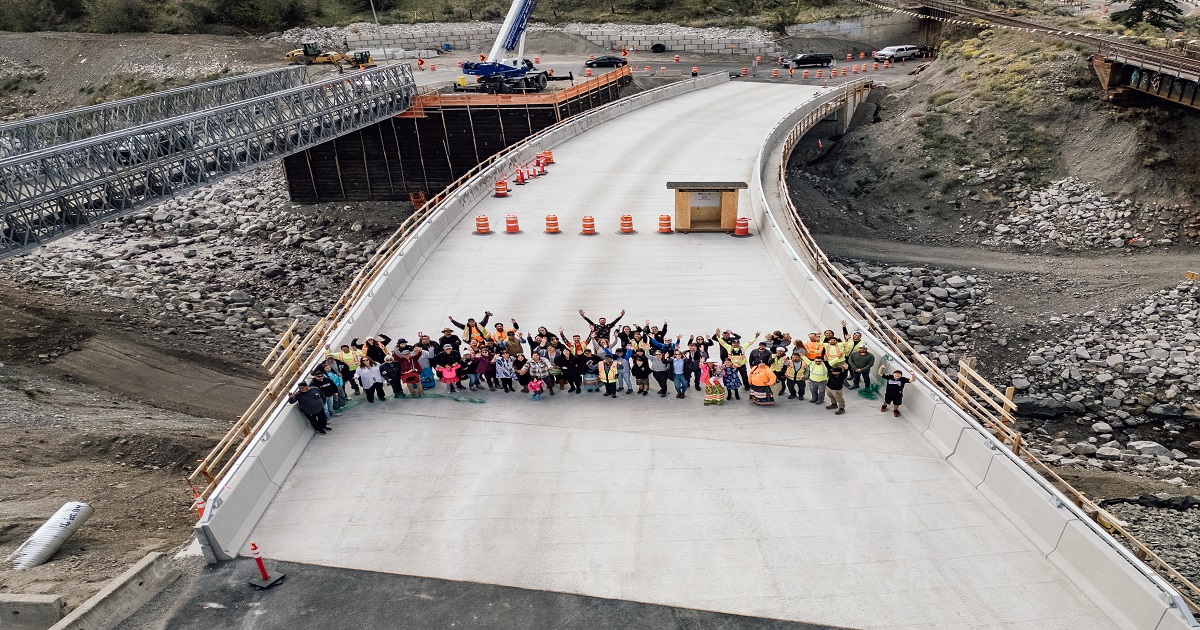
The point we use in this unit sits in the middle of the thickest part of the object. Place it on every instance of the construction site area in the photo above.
(999, 204)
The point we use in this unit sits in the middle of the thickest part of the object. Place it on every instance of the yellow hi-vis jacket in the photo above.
(351, 358)
(818, 372)
(834, 353)
(608, 374)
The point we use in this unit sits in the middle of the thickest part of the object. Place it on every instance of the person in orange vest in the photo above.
(813, 347)
(351, 358)
(471, 330)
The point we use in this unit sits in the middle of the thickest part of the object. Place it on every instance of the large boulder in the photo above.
(1041, 408)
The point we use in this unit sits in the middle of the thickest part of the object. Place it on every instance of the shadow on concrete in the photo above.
(314, 596)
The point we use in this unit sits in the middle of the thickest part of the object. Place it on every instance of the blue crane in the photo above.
(509, 74)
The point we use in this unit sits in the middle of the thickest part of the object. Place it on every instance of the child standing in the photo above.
(535, 386)
(894, 394)
(450, 376)
(733, 381)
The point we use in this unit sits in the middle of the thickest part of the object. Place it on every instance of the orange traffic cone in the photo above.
(198, 503)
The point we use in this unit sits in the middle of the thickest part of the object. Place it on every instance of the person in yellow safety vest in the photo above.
(778, 365)
(818, 375)
(737, 355)
(794, 369)
(474, 331)
(834, 353)
(351, 357)
(852, 342)
(813, 347)
(607, 372)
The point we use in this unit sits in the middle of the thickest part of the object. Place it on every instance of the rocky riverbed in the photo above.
(1173, 534)
(233, 262)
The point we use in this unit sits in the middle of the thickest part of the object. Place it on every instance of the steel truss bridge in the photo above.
(1120, 65)
(66, 184)
(32, 134)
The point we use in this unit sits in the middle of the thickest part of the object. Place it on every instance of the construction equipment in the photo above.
(503, 75)
(311, 52)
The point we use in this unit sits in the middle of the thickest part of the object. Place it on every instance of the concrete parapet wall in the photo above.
(1121, 586)
(122, 596)
(878, 30)
(30, 612)
(245, 492)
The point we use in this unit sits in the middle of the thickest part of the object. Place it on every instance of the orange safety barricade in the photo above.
(875, 65)
(695, 71)
(805, 75)
(775, 73)
(849, 57)
(843, 70)
(549, 157)
(510, 224)
(501, 188)
(589, 226)
(626, 224)
(587, 73)
(818, 73)
(481, 225)
(745, 72)
(676, 58)
(552, 224)
(664, 224)
(742, 227)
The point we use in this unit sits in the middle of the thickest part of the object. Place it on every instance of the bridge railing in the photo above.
(40, 132)
(977, 399)
(46, 193)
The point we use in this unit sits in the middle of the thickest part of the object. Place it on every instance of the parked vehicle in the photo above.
(810, 59)
(606, 62)
(896, 53)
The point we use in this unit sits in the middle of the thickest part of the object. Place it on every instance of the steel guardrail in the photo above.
(49, 192)
(32, 134)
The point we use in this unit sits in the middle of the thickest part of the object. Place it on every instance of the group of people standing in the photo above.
(610, 358)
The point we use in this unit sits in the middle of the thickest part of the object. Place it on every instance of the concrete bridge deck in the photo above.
(786, 512)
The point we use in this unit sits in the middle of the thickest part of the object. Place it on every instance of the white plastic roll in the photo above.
(44, 543)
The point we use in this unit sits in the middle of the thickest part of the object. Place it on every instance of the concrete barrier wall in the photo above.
(481, 37)
(245, 492)
(1127, 590)
(880, 30)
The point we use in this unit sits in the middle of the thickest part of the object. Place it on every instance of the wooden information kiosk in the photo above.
(706, 206)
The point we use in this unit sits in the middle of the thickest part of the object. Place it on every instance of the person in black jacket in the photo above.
(312, 405)
(837, 379)
(639, 368)
(449, 338)
(374, 348)
(603, 328)
(389, 372)
(761, 354)
(327, 388)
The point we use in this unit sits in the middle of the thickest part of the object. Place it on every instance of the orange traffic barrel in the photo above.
(758, 60)
(481, 225)
(587, 73)
(742, 227)
(676, 58)
(591, 57)
(745, 72)
(549, 156)
(805, 75)
(626, 224)
(843, 70)
(662, 69)
(875, 65)
(695, 71)
(849, 57)
(501, 188)
(664, 224)
(647, 68)
(552, 224)
(510, 224)
(775, 73)
(520, 177)
(862, 54)
(887, 64)
(818, 73)
(589, 226)
(854, 69)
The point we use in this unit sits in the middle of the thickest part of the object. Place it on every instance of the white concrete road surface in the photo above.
(786, 512)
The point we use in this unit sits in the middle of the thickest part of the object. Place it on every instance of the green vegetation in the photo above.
(1156, 13)
(261, 16)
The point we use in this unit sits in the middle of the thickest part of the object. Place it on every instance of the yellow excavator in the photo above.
(310, 53)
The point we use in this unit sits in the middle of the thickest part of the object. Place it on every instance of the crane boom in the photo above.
(513, 28)
(505, 74)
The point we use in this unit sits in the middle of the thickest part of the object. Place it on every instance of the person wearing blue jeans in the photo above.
(624, 380)
(681, 367)
(860, 361)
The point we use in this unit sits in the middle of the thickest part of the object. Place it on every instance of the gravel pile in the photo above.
(671, 30)
(929, 307)
(1075, 216)
(231, 258)
(1172, 534)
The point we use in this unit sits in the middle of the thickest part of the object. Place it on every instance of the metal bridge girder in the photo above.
(47, 192)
